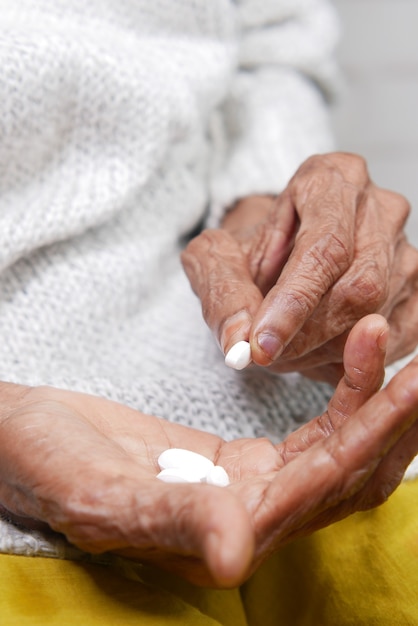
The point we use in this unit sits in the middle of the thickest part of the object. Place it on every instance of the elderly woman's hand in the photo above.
(294, 274)
(87, 467)
(349, 459)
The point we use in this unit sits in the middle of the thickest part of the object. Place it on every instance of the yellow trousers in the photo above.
(361, 571)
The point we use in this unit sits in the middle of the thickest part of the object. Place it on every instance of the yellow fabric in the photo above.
(361, 571)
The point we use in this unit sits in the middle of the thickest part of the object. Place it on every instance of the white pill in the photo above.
(217, 476)
(179, 475)
(185, 459)
(239, 356)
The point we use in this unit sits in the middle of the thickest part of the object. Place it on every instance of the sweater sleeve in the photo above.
(276, 112)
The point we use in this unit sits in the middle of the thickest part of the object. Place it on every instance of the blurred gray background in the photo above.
(377, 112)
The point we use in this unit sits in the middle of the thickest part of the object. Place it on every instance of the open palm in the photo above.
(86, 466)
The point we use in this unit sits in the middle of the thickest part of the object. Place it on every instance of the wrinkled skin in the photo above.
(293, 274)
(86, 467)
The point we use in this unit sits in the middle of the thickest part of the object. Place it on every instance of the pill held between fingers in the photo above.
(239, 356)
(185, 459)
(217, 476)
(179, 475)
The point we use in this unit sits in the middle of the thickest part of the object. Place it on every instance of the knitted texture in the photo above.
(121, 123)
(109, 158)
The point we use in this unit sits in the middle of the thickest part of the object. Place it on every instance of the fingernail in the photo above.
(235, 328)
(270, 345)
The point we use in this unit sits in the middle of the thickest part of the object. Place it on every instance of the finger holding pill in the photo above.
(239, 356)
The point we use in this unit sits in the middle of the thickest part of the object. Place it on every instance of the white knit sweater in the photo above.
(121, 123)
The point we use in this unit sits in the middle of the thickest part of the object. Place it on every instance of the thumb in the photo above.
(166, 524)
(220, 276)
(206, 522)
(364, 359)
(364, 366)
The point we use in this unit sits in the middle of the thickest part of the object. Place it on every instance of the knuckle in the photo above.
(367, 292)
(354, 167)
(204, 241)
(313, 162)
(400, 207)
(358, 166)
(326, 260)
(299, 303)
(351, 166)
(297, 348)
(333, 254)
(314, 174)
(198, 247)
(325, 424)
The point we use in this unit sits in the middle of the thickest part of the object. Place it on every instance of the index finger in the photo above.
(323, 251)
(220, 276)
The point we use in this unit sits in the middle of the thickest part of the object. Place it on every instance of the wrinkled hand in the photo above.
(86, 466)
(294, 274)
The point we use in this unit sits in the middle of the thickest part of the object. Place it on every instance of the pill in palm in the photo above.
(239, 356)
(179, 475)
(184, 466)
(217, 476)
(181, 458)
